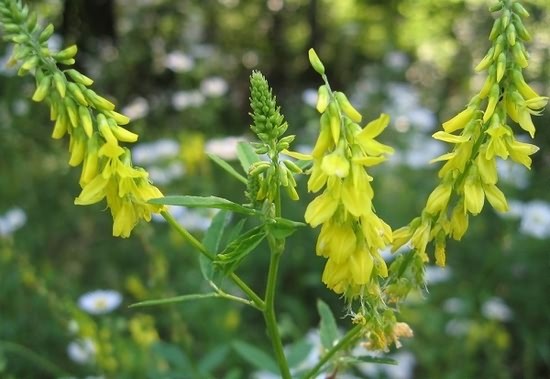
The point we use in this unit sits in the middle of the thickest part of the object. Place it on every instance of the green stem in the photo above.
(269, 311)
(259, 303)
(348, 339)
(37, 359)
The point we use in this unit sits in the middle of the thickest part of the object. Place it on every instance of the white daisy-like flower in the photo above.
(496, 309)
(214, 86)
(535, 219)
(82, 351)
(100, 301)
(11, 221)
(153, 152)
(138, 108)
(177, 61)
(225, 148)
(186, 99)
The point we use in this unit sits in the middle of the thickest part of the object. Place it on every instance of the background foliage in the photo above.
(180, 69)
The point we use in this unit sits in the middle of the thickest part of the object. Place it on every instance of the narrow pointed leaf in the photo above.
(255, 356)
(203, 202)
(246, 154)
(239, 248)
(328, 329)
(175, 299)
(227, 167)
(211, 242)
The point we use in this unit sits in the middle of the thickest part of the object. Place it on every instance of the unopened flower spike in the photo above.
(265, 178)
(478, 135)
(95, 130)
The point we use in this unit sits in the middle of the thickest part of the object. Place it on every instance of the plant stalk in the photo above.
(347, 340)
(258, 302)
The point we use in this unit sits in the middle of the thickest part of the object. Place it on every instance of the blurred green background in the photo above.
(179, 69)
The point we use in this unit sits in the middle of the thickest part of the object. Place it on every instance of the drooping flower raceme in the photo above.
(351, 232)
(469, 175)
(94, 128)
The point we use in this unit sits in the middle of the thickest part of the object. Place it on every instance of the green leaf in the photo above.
(175, 299)
(203, 202)
(227, 167)
(246, 154)
(328, 329)
(283, 227)
(239, 248)
(255, 356)
(213, 359)
(297, 352)
(211, 241)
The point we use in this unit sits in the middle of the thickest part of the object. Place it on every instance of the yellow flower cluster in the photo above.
(93, 126)
(469, 171)
(351, 233)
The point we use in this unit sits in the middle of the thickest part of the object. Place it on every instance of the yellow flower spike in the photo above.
(361, 265)
(439, 198)
(496, 198)
(487, 169)
(460, 120)
(320, 209)
(474, 196)
(494, 96)
(323, 99)
(336, 164)
(346, 107)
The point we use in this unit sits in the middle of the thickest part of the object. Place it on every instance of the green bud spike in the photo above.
(268, 123)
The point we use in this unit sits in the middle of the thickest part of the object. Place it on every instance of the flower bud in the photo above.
(86, 120)
(60, 83)
(42, 89)
(46, 33)
(346, 106)
(519, 9)
(323, 99)
(316, 62)
(66, 54)
(79, 78)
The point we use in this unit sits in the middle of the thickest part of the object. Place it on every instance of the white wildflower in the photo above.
(82, 351)
(100, 301)
(496, 309)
